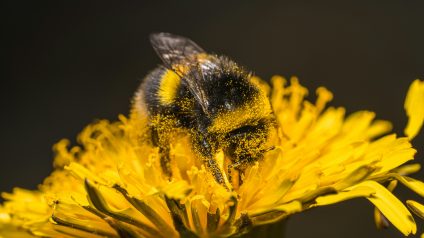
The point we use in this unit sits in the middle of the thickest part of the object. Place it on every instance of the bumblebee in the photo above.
(208, 96)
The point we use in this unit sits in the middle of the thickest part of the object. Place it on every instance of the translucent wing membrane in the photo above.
(173, 49)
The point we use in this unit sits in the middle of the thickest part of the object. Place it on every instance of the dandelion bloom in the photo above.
(112, 185)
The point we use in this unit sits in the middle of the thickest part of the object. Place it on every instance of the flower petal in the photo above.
(342, 196)
(391, 207)
(414, 107)
(413, 184)
(383, 199)
(416, 207)
(380, 220)
(407, 169)
(265, 216)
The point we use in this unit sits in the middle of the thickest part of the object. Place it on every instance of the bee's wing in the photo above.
(194, 81)
(172, 48)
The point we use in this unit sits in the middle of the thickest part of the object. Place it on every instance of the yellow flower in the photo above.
(112, 185)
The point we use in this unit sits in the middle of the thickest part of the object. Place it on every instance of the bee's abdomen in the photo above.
(145, 101)
(158, 92)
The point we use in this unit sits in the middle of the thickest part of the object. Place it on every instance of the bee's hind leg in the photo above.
(164, 150)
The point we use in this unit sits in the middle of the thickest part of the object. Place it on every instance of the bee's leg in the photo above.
(216, 172)
(162, 142)
(207, 151)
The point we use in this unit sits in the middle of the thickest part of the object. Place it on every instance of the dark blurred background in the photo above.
(66, 64)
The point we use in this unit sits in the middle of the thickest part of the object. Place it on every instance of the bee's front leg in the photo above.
(206, 148)
(216, 172)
